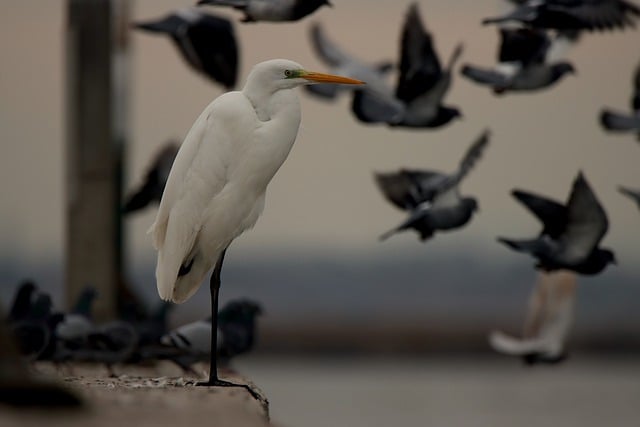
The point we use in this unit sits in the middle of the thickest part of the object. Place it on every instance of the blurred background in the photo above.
(328, 287)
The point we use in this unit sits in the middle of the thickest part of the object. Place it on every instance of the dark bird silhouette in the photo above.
(271, 10)
(31, 331)
(111, 343)
(422, 84)
(22, 301)
(155, 179)
(523, 65)
(75, 326)
(208, 43)
(345, 64)
(590, 15)
(571, 233)
(432, 198)
(632, 194)
(621, 122)
(236, 335)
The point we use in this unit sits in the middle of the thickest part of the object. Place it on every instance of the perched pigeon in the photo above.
(632, 194)
(22, 301)
(236, 335)
(271, 10)
(522, 63)
(549, 318)
(111, 343)
(571, 233)
(621, 122)
(75, 326)
(155, 180)
(31, 331)
(207, 42)
(422, 84)
(432, 198)
(344, 64)
(591, 15)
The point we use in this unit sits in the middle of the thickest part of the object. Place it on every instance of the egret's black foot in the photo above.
(221, 383)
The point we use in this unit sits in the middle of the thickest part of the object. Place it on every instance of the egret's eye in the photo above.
(288, 73)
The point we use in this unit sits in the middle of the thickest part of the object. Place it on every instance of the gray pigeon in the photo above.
(236, 335)
(522, 64)
(577, 231)
(422, 84)
(622, 122)
(155, 180)
(548, 321)
(206, 42)
(590, 15)
(270, 10)
(432, 198)
(632, 194)
(344, 64)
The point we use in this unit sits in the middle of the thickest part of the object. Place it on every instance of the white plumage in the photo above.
(216, 188)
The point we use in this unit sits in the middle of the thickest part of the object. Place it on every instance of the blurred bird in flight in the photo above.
(622, 122)
(271, 10)
(432, 198)
(208, 43)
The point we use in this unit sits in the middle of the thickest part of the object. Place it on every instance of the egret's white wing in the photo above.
(207, 157)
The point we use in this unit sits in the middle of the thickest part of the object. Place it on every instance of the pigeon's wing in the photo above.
(615, 121)
(327, 50)
(523, 45)
(213, 41)
(552, 214)
(633, 194)
(587, 221)
(467, 163)
(420, 67)
(193, 337)
(407, 189)
(635, 99)
(597, 14)
(416, 216)
(506, 344)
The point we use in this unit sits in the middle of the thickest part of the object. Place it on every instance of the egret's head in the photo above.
(285, 74)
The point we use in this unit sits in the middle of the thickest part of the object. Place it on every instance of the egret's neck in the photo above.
(267, 100)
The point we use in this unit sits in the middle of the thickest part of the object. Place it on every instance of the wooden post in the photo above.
(96, 102)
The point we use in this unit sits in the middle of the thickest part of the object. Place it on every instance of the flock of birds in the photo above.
(211, 187)
(533, 39)
(139, 336)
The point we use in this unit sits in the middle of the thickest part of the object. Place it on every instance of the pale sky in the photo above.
(324, 197)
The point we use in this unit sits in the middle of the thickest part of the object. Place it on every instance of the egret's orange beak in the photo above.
(329, 78)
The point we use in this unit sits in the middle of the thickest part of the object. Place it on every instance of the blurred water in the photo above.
(489, 392)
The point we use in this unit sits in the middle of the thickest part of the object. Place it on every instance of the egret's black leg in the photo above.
(214, 381)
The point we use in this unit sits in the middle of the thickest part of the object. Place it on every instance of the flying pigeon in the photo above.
(206, 42)
(522, 64)
(155, 180)
(422, 84)
(344, 64)
(270, 10)
(632, 194)
(432, 198)
(548, 321)
(590, 15)
(622, 122)
(571, 233)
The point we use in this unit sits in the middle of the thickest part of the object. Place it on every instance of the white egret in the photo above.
(216, 187)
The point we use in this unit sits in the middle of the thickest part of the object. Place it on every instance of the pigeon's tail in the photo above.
(455, 56)
(170, 25)
(529, 246)
(238, 4)
(140, 199)
(483, 76)
(496, 20)
(619, 122)
(384, 236)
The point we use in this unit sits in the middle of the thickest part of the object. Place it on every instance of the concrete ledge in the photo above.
(140, 397)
